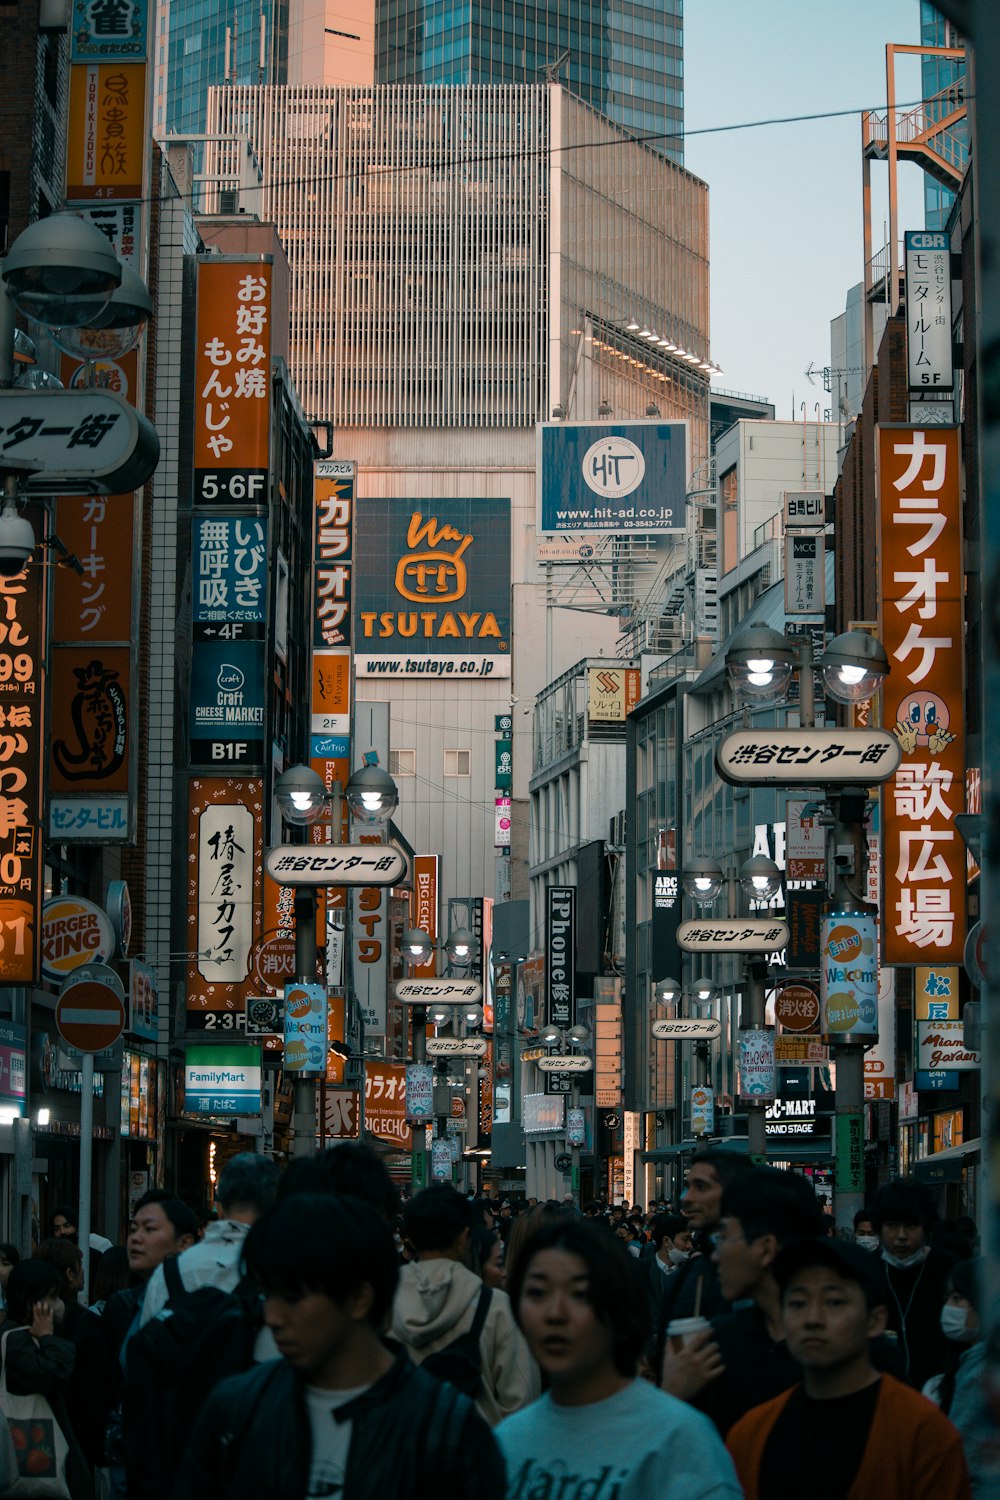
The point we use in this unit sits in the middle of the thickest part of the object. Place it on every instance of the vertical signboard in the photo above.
(333, 567)
(805, 573)
(424, 906)
(91, 770)
(225, 877)
(232, 381)
(922, 629)
(107, 131)
(560, 970)
(370, 904)
(848, 977)
(929, 358)
(805, 841)
(22, 697)
(612, 693)
(880, 1059)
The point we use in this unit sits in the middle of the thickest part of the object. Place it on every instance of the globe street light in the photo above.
(372, 795)
(301, 795)
(667, 991)
(760, 878)
(61, 271)
(854, 666)
(759, 663)
(702, 879)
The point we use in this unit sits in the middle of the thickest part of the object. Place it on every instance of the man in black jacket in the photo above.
(904, 1215)
(342, 1412)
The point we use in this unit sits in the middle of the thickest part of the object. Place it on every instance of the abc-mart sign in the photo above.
(808, 757)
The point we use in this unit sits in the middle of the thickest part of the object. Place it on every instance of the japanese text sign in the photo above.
(232, 382)
(112, 30)
(107, 131)
(922, 628)
(560, 969)
(225, 877)
(929, 359)
(21, 700)
(612, 693)
(385, 1103)
(229, 561)
(222, 1080)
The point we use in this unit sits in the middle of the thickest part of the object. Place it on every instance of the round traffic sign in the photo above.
(90, 1011)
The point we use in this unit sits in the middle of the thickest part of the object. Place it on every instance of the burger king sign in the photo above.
(74, 932)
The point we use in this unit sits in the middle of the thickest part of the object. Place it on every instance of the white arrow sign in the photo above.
(336, 864)
(439, 991)
(457, 1046)
(565, 1064)
(732, 935)
(697, 1029)
(808, 757)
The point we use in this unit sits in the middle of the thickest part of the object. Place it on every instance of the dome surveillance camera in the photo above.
(17, 542)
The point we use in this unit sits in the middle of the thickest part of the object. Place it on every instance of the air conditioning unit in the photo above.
(229, 200)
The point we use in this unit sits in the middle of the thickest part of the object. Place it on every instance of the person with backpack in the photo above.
(200, 1321)
(247, 1186)
(341, 1412)
(448, 1321)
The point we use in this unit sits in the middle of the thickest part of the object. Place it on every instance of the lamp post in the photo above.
(459, 951)
(304, 799)
(565, 1050)
(760, 663)
(62, 273)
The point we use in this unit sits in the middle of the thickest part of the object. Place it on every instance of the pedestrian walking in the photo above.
(904, 1216)
(339, 1413)
(67, 1258)
(37, 1362)
(439, 1301)
(598, 1430)
(878, 1438)
(959, 1390)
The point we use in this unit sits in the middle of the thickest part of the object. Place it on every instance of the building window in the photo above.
(458, 762)
(402, 763)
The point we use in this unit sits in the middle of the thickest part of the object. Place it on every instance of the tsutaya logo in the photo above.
(849, 976)
(613, 467)
(433, 576)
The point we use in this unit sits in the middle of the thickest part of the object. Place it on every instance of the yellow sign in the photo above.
(935, 993)
(612, 693)
(106, 147)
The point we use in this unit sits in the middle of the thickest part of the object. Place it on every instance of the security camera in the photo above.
(17, 542)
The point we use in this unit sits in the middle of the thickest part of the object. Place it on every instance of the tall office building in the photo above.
(942, 84)
(624, 57)
(201, 44)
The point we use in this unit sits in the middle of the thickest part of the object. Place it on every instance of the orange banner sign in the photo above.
(922, 628)
(107, 131)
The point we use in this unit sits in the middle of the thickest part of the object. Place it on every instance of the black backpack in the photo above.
(172, 1363)
(460, 1362)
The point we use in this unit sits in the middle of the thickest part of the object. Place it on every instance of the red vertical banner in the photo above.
(922, 629)
(424, 899)
(22, 698)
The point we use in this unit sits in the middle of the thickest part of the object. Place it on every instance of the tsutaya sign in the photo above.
(732, 935)
(810, 757)
(922, 629)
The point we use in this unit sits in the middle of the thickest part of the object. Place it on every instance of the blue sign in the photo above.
(611, 477)
(933, 1082)
(108, 31)
(329, 747)
(306, 1041)
(227, 690)
(230, 570)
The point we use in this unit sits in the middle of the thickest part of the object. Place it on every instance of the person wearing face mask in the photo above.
(669, 1247)
(903, 1216)
(959, 1390)
(864, 1230)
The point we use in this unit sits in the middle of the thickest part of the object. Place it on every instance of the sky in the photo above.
(786, 200)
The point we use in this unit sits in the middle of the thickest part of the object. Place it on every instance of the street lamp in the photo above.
(705, 992)
(759, 663)
(854, 666)
(703, 879)
(372, 795)
(667, 991)
(760, 878)
(61, 271)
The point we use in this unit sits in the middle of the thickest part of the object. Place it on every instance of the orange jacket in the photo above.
(913, 1452)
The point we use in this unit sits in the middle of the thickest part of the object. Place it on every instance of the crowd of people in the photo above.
(318, 1337)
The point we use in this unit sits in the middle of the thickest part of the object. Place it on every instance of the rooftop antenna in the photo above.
(552, 69)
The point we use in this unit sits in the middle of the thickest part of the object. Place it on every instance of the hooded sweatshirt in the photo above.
(436, 1303)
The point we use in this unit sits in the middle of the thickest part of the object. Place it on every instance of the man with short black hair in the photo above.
(439, 1298)
(879, 1439)
(340, 1413)
(695, 1288)
(903, 1215)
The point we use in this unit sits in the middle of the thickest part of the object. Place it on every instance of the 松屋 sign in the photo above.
(922, 629)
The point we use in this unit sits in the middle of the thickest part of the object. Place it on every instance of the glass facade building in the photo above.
(625, 58)
(942, 81)
(201, 43)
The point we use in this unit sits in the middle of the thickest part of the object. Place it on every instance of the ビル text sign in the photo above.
(920, 568)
